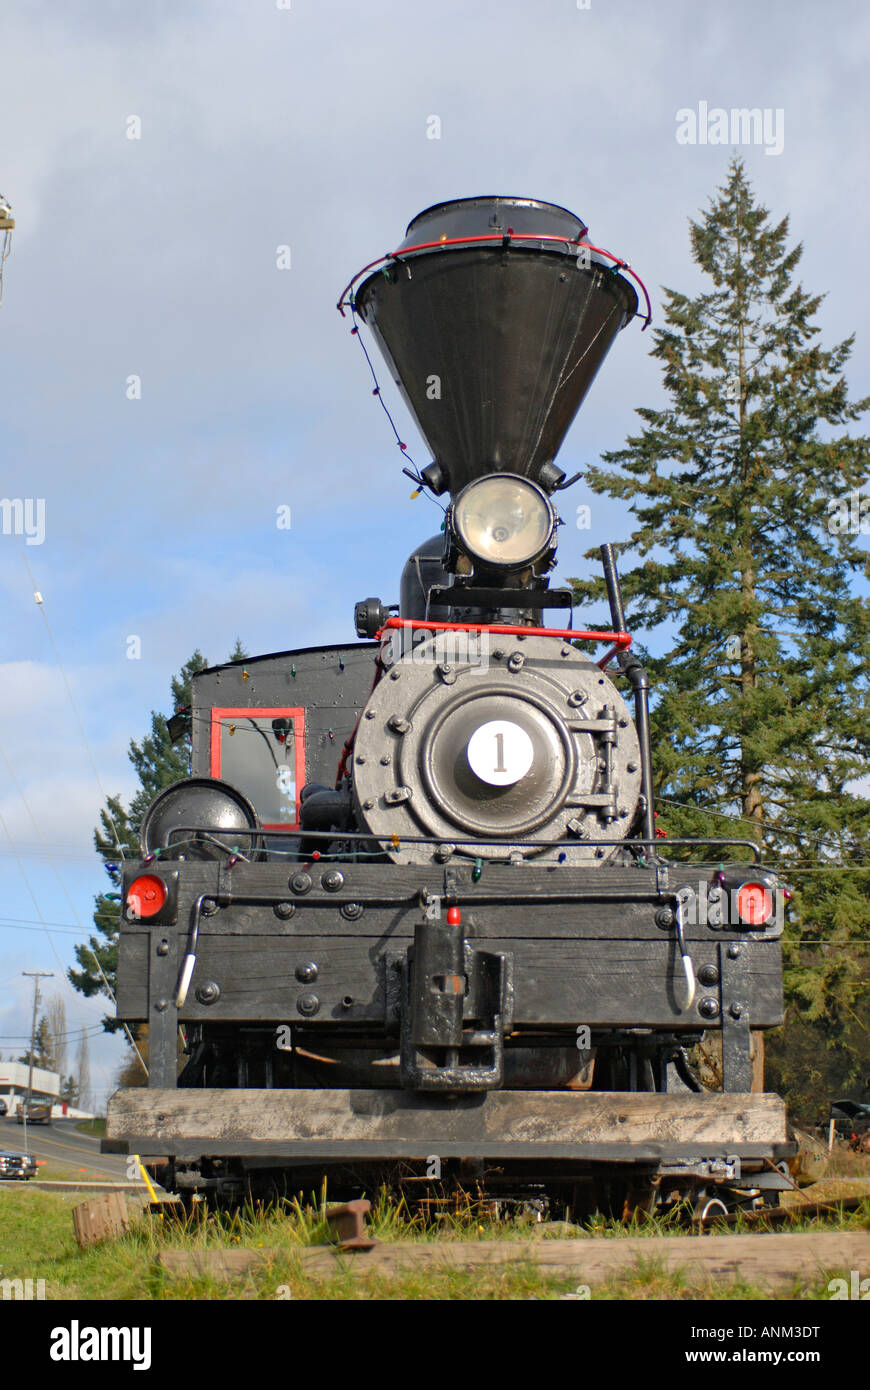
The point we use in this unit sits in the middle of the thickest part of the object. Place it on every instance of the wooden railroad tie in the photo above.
(101, 1218)
(774, 1261)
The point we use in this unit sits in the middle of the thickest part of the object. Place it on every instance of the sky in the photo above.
(168, 381)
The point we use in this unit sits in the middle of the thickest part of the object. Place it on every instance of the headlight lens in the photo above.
(503, 520)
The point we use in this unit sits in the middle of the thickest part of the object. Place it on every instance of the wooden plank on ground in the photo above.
(101, 1218)
(775, 1262)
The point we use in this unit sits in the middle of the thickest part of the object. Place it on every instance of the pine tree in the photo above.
(761, 720)
(69, 1090)
(43, 1053)
(158, 763)
(810, 1076)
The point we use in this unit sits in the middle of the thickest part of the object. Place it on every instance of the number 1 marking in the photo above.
(499, 757)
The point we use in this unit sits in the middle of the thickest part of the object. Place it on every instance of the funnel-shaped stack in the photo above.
(495, 343)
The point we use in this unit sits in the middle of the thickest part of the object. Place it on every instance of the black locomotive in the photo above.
(409, 914)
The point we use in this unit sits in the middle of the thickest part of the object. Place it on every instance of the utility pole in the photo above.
(36, 976)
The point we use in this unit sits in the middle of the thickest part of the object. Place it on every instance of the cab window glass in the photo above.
(258, 752)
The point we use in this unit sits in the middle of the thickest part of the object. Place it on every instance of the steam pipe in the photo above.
(631, 665)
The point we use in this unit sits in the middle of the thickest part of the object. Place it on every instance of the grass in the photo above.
(846, 1164)
(55, 1170)
(36, 1241)
(97, 1127)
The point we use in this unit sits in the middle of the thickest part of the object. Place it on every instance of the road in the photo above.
(60, 1144)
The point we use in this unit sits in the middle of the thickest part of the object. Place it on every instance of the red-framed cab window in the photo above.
(262, 752)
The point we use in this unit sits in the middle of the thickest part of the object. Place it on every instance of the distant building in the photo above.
(13, 1086)
(46, 1087)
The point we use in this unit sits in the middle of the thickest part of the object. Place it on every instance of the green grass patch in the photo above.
(37, 1241)
(97, 1127)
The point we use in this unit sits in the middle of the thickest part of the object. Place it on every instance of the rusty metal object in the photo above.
(781, 1216)
(347, 1225)
(811, 1161)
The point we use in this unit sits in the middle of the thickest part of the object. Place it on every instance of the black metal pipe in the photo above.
(614, 593)
(640, 685)
(360, 836)
(636, 673)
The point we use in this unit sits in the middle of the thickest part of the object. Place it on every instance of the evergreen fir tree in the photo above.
(761, 719)
(69, 1090)
(810, 1076)
(43, 1054)
(158, 763)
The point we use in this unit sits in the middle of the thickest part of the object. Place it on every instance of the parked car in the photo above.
(2, 1107)
(36, 1114)
(16, 1166)
(851, 1118)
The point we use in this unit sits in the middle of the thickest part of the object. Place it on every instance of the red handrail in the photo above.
(621, 640)
(505, 238)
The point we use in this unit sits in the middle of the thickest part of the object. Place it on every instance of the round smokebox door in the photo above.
(497, 763)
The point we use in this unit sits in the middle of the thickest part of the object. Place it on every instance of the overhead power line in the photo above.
(73, 909)
(92, 1030)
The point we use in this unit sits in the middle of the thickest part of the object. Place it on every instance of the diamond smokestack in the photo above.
(494, 343)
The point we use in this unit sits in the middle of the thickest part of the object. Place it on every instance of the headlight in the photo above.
(222, 817)
(503, 520)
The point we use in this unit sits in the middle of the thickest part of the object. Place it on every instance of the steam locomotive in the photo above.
(409, 914)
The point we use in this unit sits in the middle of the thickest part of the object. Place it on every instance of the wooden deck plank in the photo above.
(516, 1117)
